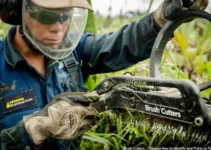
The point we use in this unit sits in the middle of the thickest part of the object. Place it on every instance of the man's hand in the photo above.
(171, 8)
(66, 117)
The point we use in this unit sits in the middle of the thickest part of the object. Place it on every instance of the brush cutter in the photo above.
(177, 103)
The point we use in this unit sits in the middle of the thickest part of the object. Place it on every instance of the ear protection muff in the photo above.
(10, 11)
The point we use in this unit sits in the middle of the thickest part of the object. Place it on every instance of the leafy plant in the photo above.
(186, 57)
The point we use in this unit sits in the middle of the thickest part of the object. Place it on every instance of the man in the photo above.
(46, 54)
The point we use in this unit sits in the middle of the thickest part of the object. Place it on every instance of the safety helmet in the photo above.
(72, 14)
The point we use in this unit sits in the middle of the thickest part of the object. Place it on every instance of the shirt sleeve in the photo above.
(16, 138)
(118, 50)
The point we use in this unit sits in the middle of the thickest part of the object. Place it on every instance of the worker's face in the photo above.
(47, 31)
(54, 32)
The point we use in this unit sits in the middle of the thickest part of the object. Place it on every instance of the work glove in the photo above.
(66, 117)
(169, 9)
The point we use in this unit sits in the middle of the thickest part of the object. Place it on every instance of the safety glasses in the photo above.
(74, 22)
(47, 17)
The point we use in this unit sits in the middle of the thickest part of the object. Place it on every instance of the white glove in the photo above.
(66, 117)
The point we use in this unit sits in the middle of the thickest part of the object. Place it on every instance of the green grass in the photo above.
(187, 56)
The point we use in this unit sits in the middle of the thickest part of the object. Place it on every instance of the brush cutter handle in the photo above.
(165, 34)
(181, 98)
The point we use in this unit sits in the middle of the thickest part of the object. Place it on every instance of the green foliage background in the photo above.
(187, 56)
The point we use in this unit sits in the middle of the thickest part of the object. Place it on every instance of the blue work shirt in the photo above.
(23, 90)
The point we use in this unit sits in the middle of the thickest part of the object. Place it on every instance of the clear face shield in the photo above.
(65, 27)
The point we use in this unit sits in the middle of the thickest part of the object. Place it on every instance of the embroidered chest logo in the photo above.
(18, 101)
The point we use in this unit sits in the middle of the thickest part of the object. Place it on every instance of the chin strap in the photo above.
(30, 45)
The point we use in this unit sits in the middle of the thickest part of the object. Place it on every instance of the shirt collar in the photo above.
(12, 55)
